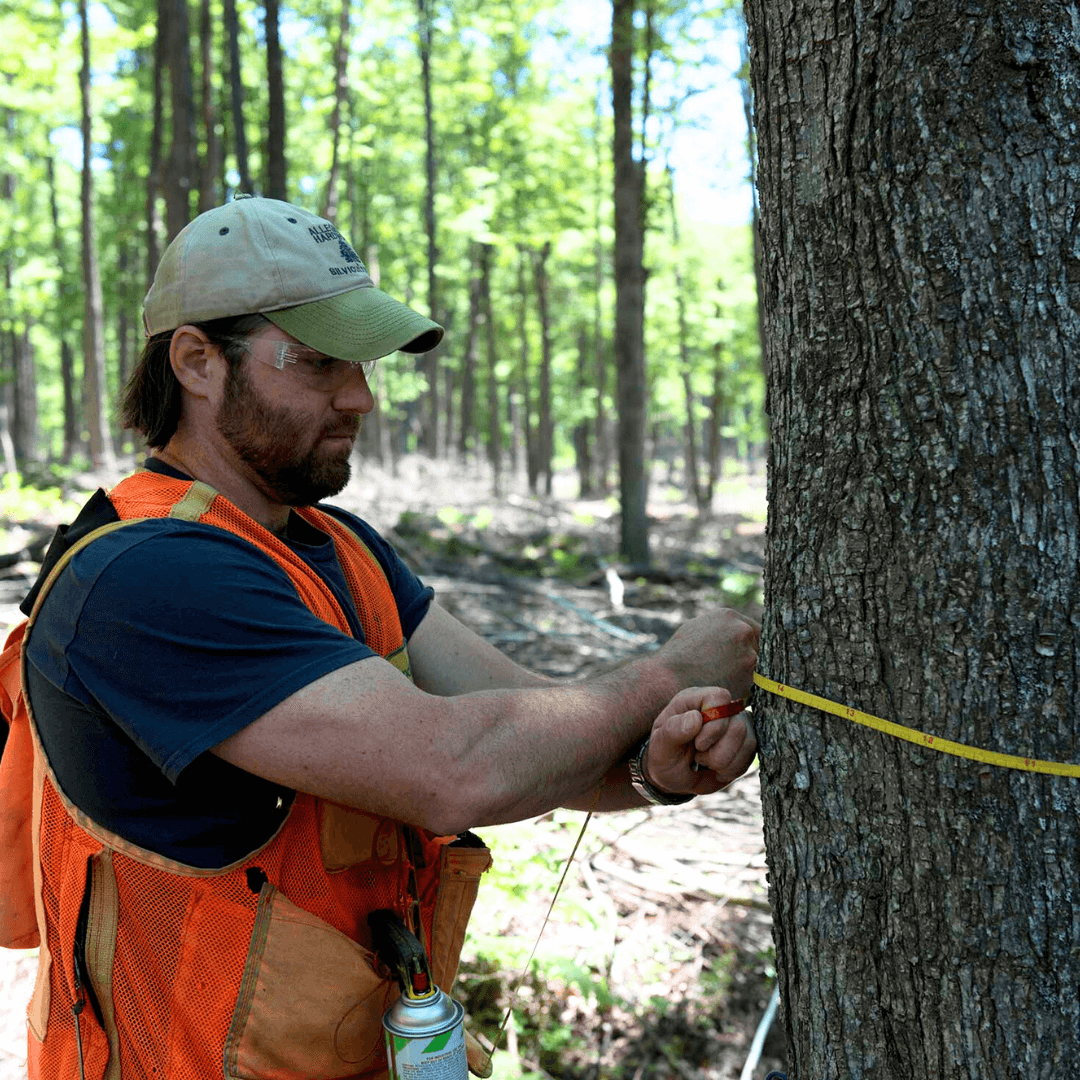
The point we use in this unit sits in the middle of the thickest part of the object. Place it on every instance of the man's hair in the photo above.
(151, 404)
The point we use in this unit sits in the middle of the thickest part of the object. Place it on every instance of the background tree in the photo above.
(65, 289)
(237, 97)
(210, 170)
(341, 100)
(179, 181)
(276, 168)
(101, 451)
(917, 176)
(629, 290)
(429, 362)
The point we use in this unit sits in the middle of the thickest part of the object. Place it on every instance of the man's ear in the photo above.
(196, 361)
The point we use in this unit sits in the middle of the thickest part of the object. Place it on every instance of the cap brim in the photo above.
(361, 324)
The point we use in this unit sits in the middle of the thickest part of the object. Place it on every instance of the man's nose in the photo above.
(355, 394)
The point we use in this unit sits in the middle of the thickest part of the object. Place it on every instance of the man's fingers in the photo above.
(736, 744)
(711, 733)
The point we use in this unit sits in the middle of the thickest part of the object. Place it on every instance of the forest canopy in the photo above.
(465, 148)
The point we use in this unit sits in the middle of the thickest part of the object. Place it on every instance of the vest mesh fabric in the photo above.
(175, 975)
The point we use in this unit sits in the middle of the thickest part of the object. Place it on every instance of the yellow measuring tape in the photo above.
(946, 746)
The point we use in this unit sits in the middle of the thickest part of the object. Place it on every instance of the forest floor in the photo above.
(657, 960)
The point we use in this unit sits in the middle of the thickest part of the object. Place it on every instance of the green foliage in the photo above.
(740, 587)
(522, 159)
(23, 501)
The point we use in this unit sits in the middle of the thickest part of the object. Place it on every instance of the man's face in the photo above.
(301, 455)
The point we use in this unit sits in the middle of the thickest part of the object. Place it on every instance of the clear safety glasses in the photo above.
(313, 369)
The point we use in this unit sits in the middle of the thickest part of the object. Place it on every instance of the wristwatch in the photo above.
(642, 786)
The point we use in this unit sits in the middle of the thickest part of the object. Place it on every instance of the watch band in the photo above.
(642, 786)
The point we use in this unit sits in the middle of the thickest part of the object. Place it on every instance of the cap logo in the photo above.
(347, 252)
(324, 232)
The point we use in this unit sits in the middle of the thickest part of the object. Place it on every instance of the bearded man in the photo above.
(253, 725)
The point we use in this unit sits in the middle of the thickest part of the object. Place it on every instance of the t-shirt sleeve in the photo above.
(183, 634)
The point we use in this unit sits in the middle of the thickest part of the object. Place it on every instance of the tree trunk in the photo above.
(713, 441)
(7, 443)
(124, 343)
(601, 434)
(236, 83)
(24, 428)
(341, 95)
(582, 443)
(275, 122)
(492, 351)
(532, 457)
(468, 361)
(62, 316)
(153, 172)
(101, 451)
(751, 152)
(179, 181)
(211, 163)
(545, 431)
(629, 293)
(693, 482)
(428, 363)
(920, 274)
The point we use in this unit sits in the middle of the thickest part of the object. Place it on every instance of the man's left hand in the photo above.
(680, 738)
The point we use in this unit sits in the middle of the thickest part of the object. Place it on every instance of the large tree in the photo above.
(921, 279)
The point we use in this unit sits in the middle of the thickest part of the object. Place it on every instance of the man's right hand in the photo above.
(717, 649)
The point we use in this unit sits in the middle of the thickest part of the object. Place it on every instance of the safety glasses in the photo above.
(313, 369)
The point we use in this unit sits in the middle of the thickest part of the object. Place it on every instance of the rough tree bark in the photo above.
(629, 292)
(921, 271)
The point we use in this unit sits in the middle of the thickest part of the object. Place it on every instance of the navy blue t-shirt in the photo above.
(162, 639)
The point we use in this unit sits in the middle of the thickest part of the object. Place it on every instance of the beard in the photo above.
(268, 438)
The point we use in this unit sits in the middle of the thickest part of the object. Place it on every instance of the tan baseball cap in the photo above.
(268, 257)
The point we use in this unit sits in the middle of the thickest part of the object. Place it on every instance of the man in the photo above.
(256, 726)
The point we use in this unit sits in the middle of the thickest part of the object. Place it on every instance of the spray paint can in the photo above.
(424, 1028)
(425, 1038)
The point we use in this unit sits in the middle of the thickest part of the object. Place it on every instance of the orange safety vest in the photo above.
(258, 970)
